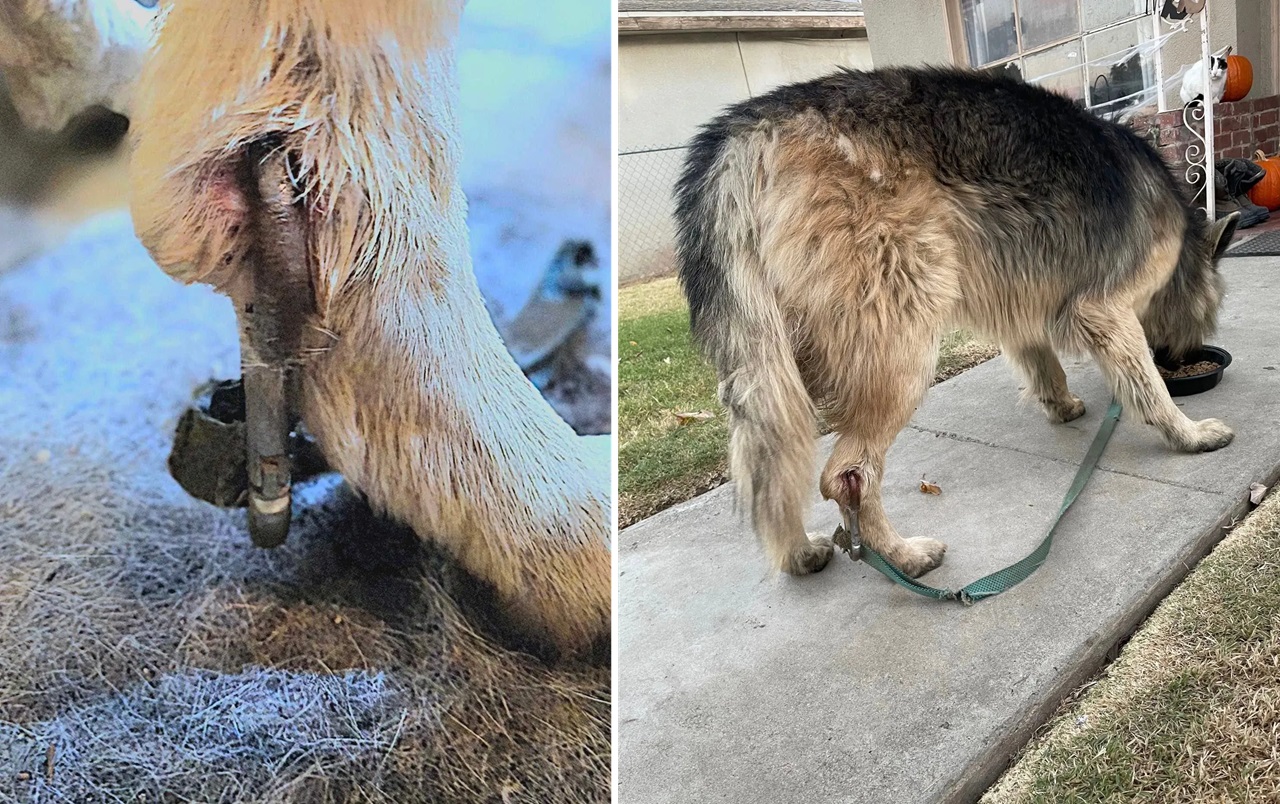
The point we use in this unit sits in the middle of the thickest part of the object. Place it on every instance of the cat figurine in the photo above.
(1193, 79)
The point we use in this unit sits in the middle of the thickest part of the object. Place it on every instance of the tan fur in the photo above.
(856, 260)
(414, 400)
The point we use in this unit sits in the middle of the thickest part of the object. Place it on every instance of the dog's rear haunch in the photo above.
(830, 231)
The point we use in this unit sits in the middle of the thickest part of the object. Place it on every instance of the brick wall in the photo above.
(1240, 128)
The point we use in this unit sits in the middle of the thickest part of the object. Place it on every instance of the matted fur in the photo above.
(830, 231)
(411, 395)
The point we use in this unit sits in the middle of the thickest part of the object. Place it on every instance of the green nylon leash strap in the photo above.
(1010, 576)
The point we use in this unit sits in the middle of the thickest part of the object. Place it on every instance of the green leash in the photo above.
(1010, 576)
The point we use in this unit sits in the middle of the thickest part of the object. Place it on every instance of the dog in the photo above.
(829, 232)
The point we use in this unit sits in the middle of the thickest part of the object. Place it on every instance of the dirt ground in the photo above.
(150, 653)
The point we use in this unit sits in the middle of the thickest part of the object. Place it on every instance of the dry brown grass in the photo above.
(1190, 712)
(354, 664)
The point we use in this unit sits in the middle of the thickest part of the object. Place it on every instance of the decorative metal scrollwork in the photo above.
(1199, 168)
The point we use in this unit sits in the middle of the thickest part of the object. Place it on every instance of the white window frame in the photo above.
(960, 48)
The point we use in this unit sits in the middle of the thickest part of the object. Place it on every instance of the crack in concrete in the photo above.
(971, 440)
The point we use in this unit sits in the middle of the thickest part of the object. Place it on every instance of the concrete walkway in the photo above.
(741, 687)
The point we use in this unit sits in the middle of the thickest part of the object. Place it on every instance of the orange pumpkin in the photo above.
(1266, 193)
(1239, 78)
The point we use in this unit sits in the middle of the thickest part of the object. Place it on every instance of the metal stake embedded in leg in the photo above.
(267, 429)
(273, 319)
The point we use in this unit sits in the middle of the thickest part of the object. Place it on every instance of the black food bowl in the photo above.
(1195, 383)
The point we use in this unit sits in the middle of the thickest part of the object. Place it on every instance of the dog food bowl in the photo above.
(1198, 383)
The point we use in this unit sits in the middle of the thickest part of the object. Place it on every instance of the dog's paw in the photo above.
(810, 558)
(1210, 434)
(922, 554)
(1062, 411)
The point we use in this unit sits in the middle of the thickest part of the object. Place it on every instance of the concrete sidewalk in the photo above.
(737, 686)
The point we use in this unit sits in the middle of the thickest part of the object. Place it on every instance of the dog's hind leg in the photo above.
(1046, 381)
(881, 390)
(771, 435)
(1116, 339)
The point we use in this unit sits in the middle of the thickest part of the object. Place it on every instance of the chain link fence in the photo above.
(646, 229)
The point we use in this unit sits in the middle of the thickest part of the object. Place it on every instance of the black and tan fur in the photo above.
(831, 231)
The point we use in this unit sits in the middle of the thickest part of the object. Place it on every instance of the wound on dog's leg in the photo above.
(855, 485)
(848, 536)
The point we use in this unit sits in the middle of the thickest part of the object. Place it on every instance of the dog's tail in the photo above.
(737, 323)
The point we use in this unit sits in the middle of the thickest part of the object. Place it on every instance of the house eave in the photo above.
(726, 21)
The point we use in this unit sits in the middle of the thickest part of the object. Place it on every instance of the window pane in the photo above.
(1010, 69)
(989, 30)
(1045, 21)
(1058, 68)
(1110, 83)
(1103, 12)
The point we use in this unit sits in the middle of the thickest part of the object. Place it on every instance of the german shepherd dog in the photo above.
(830, 231)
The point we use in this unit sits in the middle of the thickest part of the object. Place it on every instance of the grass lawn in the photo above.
(1190, 712)
(663, 458)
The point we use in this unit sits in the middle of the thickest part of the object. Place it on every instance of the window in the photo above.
(1070, 46)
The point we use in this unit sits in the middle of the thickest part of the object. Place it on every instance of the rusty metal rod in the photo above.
(273, 319)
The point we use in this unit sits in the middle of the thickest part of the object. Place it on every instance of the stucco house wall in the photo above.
(671, 81)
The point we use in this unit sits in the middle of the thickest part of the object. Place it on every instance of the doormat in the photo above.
(1266, 244)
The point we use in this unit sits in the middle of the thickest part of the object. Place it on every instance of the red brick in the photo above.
(1267, 118)
(1233, 123)
(1267, 103)
(1232, 109)
(1265, 133)
(1172, 155)
(1170, 136)
(1241, 137)
(1170, 118)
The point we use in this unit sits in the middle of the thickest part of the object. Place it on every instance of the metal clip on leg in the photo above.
(272, 325)
(267, 441)
(847, 536)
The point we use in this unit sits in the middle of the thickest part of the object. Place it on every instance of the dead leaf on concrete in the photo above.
(700, 416)
(1256, 492)
(929, 488)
